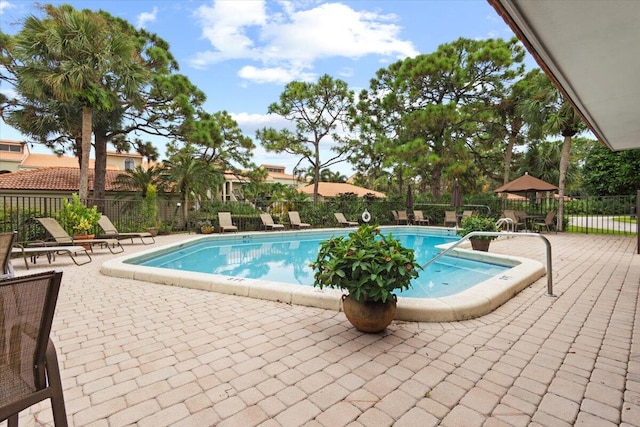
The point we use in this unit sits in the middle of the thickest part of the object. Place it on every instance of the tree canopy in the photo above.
(71, 59)
(427, 115)
(609, 173)
(320, 112)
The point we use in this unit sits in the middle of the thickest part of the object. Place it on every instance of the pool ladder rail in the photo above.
(498, 234)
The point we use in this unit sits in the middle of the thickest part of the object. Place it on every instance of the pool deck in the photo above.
(136, 353)
(468, 304)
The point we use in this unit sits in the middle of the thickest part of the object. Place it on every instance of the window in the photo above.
(129, 164)
(12, 148)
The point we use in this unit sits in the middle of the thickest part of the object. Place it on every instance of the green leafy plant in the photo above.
(150, 207)
(477, 223)
(205, 226)
(365, 263)
(76, 218)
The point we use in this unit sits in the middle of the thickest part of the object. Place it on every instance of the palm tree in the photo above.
(512, 113)
(548, 113)
(191, 177)
(137, 180)
(75, 57)
(542, 160)
(325, 176)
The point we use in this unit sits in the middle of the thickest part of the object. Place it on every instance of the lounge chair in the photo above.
(549, 221)
(110, 232)
(402, 217)
(343, 221)
(450, 217)
(418, 218)
(6, 244)
(268, 224)
(294, 219)
(50, 251)
(224, 219)
(62, 238)
(29, 371)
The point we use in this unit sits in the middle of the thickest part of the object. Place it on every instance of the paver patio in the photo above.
(134, 353)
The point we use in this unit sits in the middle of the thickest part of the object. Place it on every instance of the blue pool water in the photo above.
(285, 258)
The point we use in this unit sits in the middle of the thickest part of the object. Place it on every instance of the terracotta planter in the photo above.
(480, 244)
(84, 237)
(206, 229)
(369, 316)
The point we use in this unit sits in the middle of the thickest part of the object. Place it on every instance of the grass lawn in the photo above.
(589, 230)
(625, 219)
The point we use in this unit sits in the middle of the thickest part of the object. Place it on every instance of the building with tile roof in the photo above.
(50, 181)
(334, 189)
(15, 156)
(23, 172)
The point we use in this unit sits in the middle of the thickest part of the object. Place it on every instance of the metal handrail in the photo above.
(503, 233)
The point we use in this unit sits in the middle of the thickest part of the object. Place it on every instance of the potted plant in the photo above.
(78, 219)
(370, 267)
(205, 226)
(478, 223)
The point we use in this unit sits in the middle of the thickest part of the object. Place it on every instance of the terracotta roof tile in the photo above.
(332, 189)
(61, 179)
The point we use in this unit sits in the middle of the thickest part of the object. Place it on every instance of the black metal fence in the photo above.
(617, 215)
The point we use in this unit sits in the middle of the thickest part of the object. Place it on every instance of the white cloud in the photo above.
(249, 122)
(225, 25)
(288, 41)
(146, 17)
(5, 5)
(280, 75)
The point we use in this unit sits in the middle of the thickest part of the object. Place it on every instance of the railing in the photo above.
(614, 215)
(503, 233)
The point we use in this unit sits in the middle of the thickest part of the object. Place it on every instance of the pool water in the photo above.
(283, 259)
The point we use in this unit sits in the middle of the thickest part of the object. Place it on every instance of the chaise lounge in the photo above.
(294, 219)
(343, 221)
(268, 224)
(110, 232)
(62, 238)
(224, 220)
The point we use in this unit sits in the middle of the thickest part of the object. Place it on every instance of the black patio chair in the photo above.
(6, 245)
(29, 371)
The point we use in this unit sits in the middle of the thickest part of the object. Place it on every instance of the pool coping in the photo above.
(474, 302)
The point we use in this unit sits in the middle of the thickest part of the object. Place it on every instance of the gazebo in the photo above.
(525, 186)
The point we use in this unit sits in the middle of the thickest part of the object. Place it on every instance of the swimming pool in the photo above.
(281, 259)
(446, 299)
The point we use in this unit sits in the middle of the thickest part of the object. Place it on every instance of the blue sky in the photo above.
(242, 53)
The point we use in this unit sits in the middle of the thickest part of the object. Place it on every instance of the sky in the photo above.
(241, 54)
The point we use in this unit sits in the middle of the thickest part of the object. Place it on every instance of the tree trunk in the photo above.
(564, 164)
(400, 179)
(436, 181)
(509, 153)
(316, 183)
(83, 185)
(100, 170)
(185, 212)
(316, 171)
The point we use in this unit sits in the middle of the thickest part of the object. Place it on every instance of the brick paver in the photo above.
(138, 353)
